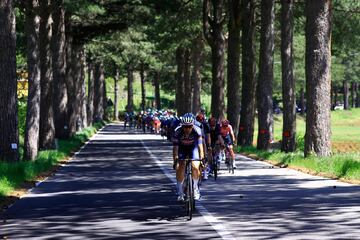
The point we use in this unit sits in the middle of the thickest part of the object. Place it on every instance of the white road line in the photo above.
(217, 224)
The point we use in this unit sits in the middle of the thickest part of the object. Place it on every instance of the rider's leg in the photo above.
(196, 173)
(180, 175)
(232, 155)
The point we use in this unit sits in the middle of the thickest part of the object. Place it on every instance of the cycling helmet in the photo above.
(212, 121)
(200, 117)
(187, 119)
(225, 123)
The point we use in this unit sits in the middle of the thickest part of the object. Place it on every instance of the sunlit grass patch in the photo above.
(343, 166)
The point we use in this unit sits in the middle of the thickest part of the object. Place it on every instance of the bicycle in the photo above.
(229, 160)
(218, 158)
(189, 188)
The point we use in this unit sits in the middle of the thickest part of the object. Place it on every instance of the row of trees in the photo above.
(225, 48)
(250, 22)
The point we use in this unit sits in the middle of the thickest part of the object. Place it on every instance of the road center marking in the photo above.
(218, 225)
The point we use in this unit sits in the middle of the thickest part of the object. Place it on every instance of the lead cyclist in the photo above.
(187, 143)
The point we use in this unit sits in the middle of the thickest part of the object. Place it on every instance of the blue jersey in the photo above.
(188, 145)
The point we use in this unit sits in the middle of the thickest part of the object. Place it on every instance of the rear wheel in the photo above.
(215, 169)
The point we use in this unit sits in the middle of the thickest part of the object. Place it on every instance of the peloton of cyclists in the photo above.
(187, 143)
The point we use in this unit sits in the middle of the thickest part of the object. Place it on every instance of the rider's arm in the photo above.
(175, 152)
(232, 134)
(201, 149)
(208, 139)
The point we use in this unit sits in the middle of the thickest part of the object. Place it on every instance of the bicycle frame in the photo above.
(189, 188)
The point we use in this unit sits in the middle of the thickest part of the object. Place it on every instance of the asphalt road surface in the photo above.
(121, 186)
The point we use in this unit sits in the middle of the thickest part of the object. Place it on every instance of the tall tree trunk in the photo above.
(143, 90)
(75, 117)
(90, 101)
(346, 94)
(317, 68)
(248, 96)
(47, 125)
(302, 102)
(357, 95)
(130, 78)
(180, 86)
(59, 69)
(266, 62)
(197, 59)
(9, 134)
(74, 93)
(105, 100)
(116, 94)
(288, 80)
(83, 90)
(233, 76)
(157, 90)
(187, 81)
(353, 94)
(332, 97)
(71, 87)
(213, 32)
(99, 92)
(32, 25)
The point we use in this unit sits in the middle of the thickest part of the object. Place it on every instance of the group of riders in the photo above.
(193, 137)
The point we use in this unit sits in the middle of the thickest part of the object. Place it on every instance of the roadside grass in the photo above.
(344, 163)
(14, 175)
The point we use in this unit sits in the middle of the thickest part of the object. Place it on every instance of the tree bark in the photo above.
(353, 94)
(70, 128)
(130, 80)
(187, 82)
(317, 69)
(288, 143)
(233, 76)
(116, 94)
(90, 101)
(9, 134)
(157, 90)
(99, 92)
(59, 69)
(213, 32)
(143, 90)
(83, 90)
(32, 25)
(266, 62)
(47, 125)
(75, 114)
(180, 86)
(248, 96)
(357, 95)
(105, 100)
(346, 94)
(197, 60)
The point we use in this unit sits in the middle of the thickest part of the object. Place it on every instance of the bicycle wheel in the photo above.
(190, 200)
(215, 166)
(231, 164)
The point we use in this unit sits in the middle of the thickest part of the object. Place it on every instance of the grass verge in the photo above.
(16, 178)
(342, 166)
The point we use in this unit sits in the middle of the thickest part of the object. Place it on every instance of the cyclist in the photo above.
(227, 135)
(187, 143)
(205, 131)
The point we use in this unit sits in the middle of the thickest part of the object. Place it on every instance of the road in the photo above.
(121, 186)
